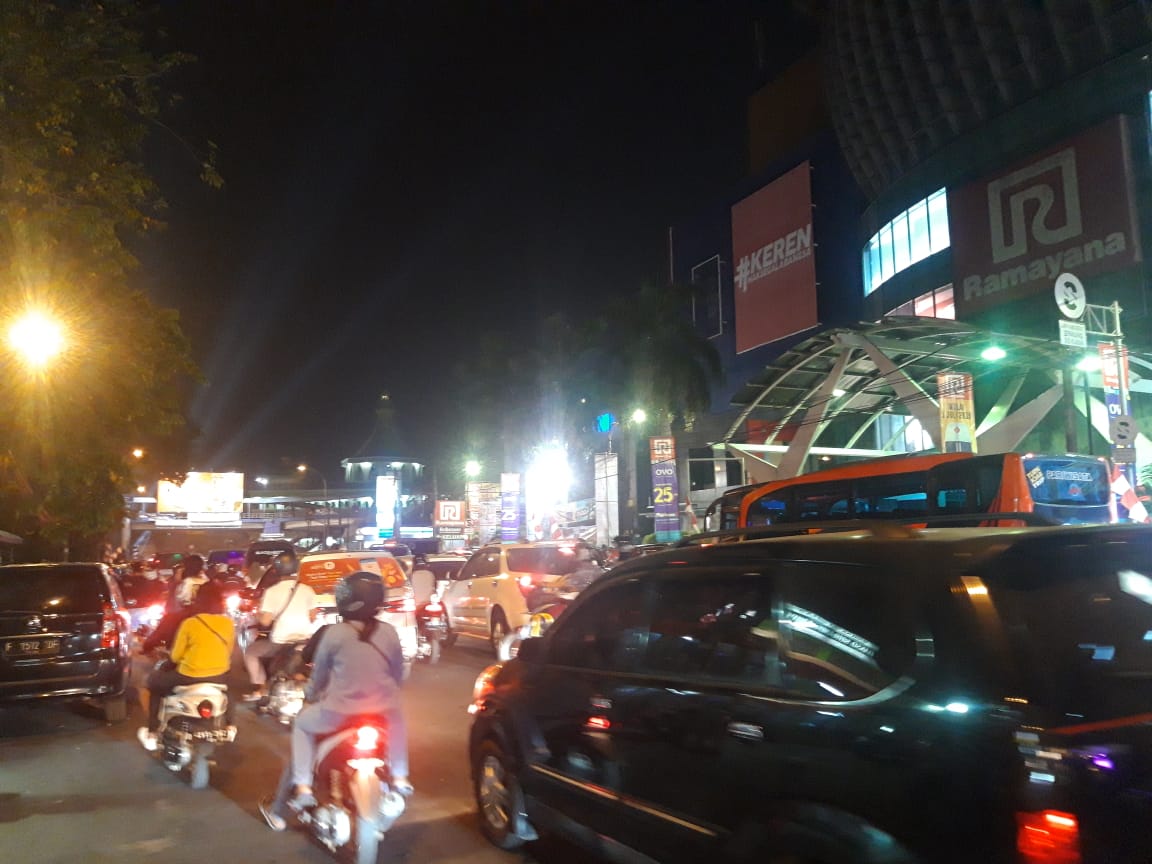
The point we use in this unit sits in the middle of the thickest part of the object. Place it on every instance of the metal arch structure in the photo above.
(844, 379)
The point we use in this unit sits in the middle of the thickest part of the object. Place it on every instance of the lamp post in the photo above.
(37, 337)
(304, 469)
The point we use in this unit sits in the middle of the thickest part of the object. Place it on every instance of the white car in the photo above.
(487, 597)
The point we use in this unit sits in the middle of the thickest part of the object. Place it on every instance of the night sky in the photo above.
(403, 176)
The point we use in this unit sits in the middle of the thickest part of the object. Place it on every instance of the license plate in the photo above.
(331, 618)
(31, 647)
(217, 735)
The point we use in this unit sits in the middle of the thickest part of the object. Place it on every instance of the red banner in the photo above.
(774, 271)
(1067, 209)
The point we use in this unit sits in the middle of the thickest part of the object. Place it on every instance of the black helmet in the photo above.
(285, 565)
(359, 595)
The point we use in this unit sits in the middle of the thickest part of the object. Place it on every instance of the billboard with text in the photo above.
(1066, 209)
(774, 269)
(203, 496)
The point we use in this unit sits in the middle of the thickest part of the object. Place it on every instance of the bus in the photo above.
(1063, 489)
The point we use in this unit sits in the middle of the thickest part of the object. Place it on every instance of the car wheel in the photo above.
(498, 630)
(115, 708)
(499, 799)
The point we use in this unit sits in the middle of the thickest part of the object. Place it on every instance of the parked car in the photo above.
(487, 597)
(64, 633)
(952, 695)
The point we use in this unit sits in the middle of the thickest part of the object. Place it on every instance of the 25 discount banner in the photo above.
(665, 489)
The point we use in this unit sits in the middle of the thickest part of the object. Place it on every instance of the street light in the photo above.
(639, 415)
(472, 468)
(138, 453)
(37, 337)
(304, 469)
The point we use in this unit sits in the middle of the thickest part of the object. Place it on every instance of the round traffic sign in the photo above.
(1070, 296)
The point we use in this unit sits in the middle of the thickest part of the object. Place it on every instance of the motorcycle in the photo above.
(285, 686)
(356, 803)
(544, 606)
(192, 723)
(431, 629)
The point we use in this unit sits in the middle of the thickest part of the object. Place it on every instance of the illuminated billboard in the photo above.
(774, 272)
(203, 497)
(387, 495)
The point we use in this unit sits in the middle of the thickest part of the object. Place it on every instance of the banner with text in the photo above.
(665, 489)
(774, 277)
(607, 487)
(957, 412)
(483, 510)
(509, 508)
(1111, 370)
(1067, 209)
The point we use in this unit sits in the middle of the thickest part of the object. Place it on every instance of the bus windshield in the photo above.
(1069, 489)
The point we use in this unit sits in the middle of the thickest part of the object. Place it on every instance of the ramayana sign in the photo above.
(1068, 209)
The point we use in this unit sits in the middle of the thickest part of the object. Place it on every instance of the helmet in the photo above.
(359, 595)
(286, 565)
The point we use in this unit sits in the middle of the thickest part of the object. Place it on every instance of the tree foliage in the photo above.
(79, 94)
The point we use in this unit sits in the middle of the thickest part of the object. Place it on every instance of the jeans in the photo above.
(314, 722)
(163, 681)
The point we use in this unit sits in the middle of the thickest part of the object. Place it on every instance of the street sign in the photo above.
(1124, 455)
(1070, 297)
(1073, 334)
(1122, 430)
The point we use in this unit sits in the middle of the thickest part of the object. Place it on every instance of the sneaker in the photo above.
(302, 801)
(276, 823)
(254, 696)
(147, 739)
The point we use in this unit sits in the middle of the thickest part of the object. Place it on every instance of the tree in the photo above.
(78, 96)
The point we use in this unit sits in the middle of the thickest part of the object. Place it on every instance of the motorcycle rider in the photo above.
(358, 670)
(286, 612)
(201, 652)
(182, 591)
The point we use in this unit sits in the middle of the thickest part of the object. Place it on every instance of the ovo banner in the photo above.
(957, 413)
(665, 489)
(774, 274)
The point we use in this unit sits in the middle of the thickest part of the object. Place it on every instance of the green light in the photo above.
(993, 352)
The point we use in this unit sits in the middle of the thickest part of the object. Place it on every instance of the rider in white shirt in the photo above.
(286, 610)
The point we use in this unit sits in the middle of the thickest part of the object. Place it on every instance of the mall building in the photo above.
(942, 189)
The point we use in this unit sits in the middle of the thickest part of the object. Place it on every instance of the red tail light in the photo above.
(1048, 837)
(528, 582)
(434, 607)
(367, 739)
(598, 721)
(405, 605)
(204, 709)
(110, 628)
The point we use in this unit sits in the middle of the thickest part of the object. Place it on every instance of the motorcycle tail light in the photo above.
(204, 709)
(433, 606)
(408, 604)
(232, 602)
(367, 739)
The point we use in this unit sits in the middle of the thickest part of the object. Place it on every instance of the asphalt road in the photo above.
(77, 791)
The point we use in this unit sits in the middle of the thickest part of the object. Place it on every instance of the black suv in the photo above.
(64, 632)
(953, 695)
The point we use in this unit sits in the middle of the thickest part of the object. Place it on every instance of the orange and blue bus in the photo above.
(1065, 489)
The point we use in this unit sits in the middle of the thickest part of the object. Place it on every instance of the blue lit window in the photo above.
(912, 236)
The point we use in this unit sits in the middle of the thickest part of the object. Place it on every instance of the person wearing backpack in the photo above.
(285, 618)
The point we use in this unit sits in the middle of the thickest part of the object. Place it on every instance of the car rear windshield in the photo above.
(1056, 480)
(1076, 614)
(51, 590)
(553, 560)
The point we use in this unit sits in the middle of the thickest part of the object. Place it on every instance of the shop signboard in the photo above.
(1068, 209)
(957, 413)
(774, 275)
(450, 514)
(665, 489)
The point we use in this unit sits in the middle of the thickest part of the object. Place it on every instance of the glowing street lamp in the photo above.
(1090, 363)
(639, 415)
(472, 468)
(138, 453)
(37, 338)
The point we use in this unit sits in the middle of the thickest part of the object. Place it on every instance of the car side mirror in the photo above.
(531, 650)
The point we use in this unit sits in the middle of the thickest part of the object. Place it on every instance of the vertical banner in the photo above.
(774, 275)
(509, 508)
(386, 499)
(607, 491)
(665, 489)
(1113, 370)
(483, 501)
(957, 413)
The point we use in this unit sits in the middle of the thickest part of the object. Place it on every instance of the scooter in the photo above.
(545, 608)
(431, 629)
(286, 687)
(352, 783)
(192, 723)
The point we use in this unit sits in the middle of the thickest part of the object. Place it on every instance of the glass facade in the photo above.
(932, 304)
(918, 232)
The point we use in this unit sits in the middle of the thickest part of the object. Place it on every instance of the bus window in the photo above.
(771, 508)
(1069, 489)
(891, 496)
(970, 486)
(821, 501)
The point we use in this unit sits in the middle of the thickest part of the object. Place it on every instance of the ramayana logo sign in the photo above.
(1066, 210)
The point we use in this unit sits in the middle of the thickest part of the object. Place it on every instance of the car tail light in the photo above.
(204, 709)
(528, 582)
(232, 602)
(408, 604)
(109, 628)
(598, 721)
(1048, 837)
(367, 739)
